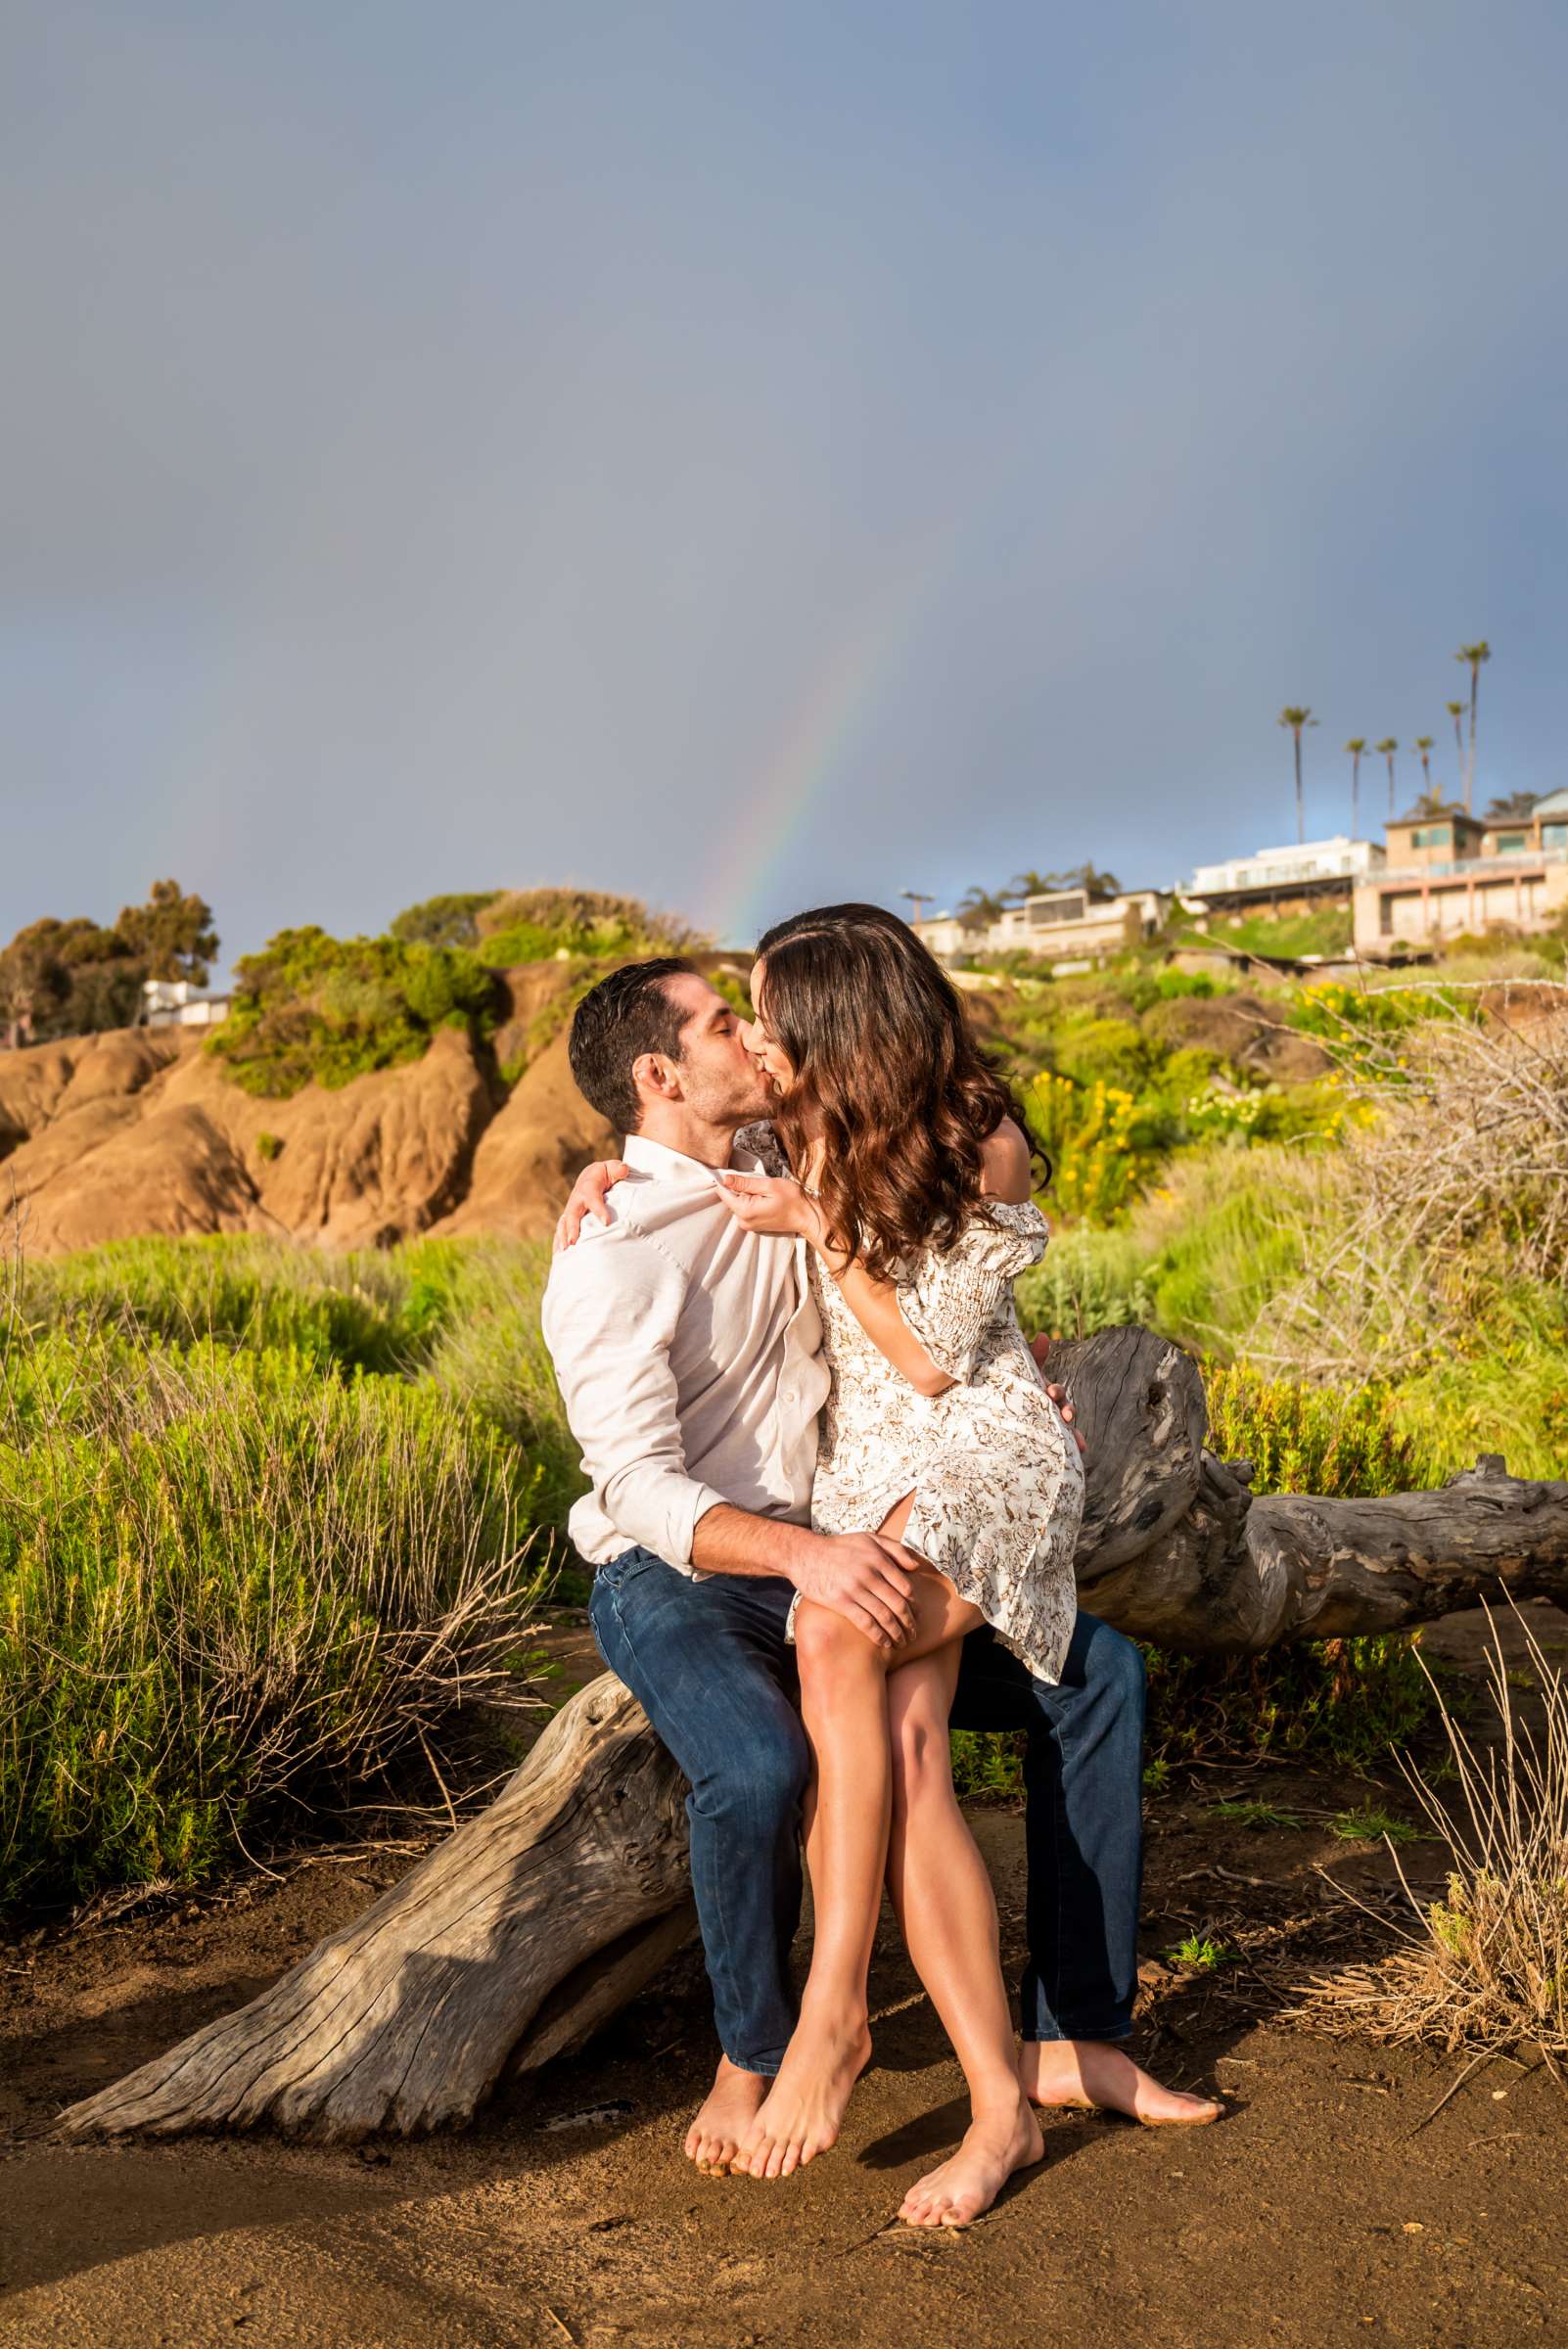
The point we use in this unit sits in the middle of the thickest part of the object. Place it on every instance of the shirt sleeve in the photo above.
(951, 1296)
(611, 1308)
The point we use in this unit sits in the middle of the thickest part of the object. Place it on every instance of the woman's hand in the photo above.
(588, 1195)
(1039, 1349)
(771, 1204)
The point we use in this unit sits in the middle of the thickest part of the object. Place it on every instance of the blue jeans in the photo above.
(708, 1662)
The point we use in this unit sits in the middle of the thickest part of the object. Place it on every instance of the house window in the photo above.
(1432, 836)
(1044, 910)
(1554, 835)
(1509, 844)
(1385, 916)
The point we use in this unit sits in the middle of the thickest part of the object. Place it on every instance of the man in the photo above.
(688, 1352)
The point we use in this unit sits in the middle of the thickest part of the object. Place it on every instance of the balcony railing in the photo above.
(1467, 868)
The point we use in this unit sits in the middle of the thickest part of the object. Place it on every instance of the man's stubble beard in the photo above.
(764, 1099)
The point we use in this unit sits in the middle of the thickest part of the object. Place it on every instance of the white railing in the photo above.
(1514, 866)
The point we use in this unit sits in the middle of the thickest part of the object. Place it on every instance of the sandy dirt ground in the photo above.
(1348, 2196)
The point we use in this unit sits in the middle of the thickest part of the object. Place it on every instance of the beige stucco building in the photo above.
(1063, 925)
(1449, 872)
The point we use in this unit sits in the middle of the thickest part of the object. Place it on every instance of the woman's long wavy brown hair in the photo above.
(887, 1073)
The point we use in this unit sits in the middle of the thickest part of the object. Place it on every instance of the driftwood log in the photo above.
(516, 1938)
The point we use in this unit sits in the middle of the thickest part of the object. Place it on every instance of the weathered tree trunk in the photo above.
(1238, 1575)
(510, 1942)
(516, 1938)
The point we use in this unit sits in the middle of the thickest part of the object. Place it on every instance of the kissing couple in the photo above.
(833, 1512)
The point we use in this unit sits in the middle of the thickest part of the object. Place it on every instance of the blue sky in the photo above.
(747, 455)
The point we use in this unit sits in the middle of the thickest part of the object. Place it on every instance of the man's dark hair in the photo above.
(616, 1022)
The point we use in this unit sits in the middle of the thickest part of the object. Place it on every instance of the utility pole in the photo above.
(917, 897)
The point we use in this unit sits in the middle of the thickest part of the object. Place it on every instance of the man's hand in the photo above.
(866, 1578)
(588, 1195)
(1039, 1349)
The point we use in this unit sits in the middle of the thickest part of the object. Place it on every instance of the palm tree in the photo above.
(979, 905)
(1032, 883)
(1431, 802)
(1424, 743)
(1296, 720)
(1455, 711)
(1515, 808)
(1386, 750)
(1356, 746)
(1475, 655)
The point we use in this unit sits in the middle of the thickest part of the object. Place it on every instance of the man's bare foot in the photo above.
(1090, 2072)
(996, 2145)
(714, 2137)
(805, 2103)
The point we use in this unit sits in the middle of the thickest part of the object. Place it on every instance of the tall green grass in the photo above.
(460, 1317)
(267, 1523)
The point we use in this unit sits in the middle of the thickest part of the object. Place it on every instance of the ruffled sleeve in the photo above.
(762, 1144)
(950, 1297)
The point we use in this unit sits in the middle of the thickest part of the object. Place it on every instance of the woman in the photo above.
(914, 1199)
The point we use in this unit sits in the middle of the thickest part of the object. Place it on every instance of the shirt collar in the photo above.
(649, 1157)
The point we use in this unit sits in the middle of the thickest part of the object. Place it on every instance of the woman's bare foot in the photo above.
(996, 2145)
(714, 2137)
(805, 2104)
(1090, 2072)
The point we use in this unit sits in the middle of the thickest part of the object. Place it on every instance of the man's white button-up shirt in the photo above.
(689, 1358)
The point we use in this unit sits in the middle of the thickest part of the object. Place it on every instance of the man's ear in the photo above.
(656, 1077)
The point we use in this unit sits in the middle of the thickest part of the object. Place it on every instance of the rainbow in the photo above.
(840, 698)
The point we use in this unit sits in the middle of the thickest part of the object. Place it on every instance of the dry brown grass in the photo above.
(1487, 1967)
(1453, 1182)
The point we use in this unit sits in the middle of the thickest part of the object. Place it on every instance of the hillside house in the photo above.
(176, 1003)
(1448, 871)
(1298, 879)
(1057, 925)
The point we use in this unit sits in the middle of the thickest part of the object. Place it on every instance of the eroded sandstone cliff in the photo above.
(142, 1131)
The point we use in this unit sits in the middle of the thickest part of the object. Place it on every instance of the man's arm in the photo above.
(862, 1577)
(610, 1315)
(611, 1309)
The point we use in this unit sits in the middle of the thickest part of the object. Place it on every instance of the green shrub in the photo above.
(1171, 985)
(540, 925)
(461, 1317)
(1302, 1438)
(1085, 1281)
(1343, 1702)
(232, 1594)
(986, 1765)
(1325, 931)
(1221, 1234)
(312, 1008)
(1101, 1152)
(488, 1353)
(1105, 1051)
(1505, 1390)
(451, 920)
(345, 1312)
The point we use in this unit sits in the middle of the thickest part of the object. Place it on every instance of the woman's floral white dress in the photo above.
(996, 1474)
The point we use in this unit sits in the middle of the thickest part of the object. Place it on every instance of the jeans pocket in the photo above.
(612, 1578)
(629, 1564)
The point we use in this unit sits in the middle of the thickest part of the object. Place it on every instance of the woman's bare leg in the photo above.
(943, 1894)
(843, 1706)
